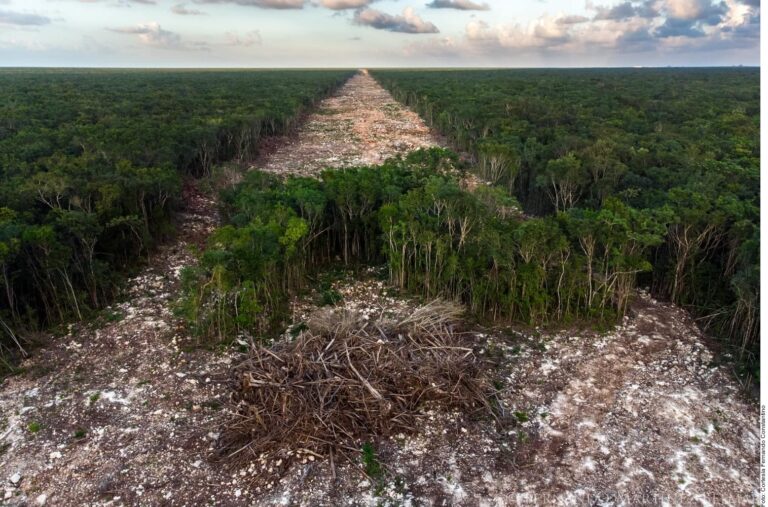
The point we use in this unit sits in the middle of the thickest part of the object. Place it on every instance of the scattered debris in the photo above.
(360, 125)
(347, 378)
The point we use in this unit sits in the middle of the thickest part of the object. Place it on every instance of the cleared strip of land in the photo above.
(359, 125)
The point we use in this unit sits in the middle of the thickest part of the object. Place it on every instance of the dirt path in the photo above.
(641, 415)
(122, 411)
(361, 124)
(118, 411)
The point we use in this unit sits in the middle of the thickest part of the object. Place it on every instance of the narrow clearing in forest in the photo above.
(123, 411)
(359, 125)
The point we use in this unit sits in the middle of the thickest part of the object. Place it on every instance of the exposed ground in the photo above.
(359, 125)
(123, 411)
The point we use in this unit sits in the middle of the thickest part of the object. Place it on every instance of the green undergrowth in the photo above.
(681, 140)
(435, 239)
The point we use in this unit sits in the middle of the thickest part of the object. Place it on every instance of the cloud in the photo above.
(121, 3)
(625, 10)
(742, 21)
(182, 10)
(572, 20)
(339, 5)
(408, 22)
(435, 47)
(678, 28)
(544, 33)
(252, 38)
(20, 18)
(462, 5)
(264, 4)
(695, 10)
(153, 35)
(652, 27)
(638, 39)
(617, 12)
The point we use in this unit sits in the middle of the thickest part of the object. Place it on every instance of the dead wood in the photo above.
(347, 379)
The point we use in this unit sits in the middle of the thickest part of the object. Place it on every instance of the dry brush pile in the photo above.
(346, 379)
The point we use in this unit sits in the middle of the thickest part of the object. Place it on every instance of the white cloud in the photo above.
(20, 18)
(690, 9)
(264, 4)
(462, 5)
(182, 10)
(339, 5)
(737, 13)
(408, 22)
(544, 32)
(651, 26)
(252, 38)
(438, 47)
(121, 3)
(153, 35)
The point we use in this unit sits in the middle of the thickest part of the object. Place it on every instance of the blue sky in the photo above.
(370, 33)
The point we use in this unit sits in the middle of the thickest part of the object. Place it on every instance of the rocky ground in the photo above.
(637, 415)
(359, 125)
(124, 410)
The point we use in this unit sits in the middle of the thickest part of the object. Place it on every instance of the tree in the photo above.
(563, 179)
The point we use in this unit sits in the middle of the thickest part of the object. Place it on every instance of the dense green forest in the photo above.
(680, 145)
(436, 238)
(601, 181)
(91, 169)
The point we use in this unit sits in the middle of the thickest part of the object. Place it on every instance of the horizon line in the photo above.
(353, 67)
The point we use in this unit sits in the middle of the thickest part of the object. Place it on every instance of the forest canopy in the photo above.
(91, 170)
(436, 238)
(682, 144)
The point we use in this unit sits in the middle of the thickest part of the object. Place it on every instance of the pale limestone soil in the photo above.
(361, 124)
(638, 415)
(127, 410)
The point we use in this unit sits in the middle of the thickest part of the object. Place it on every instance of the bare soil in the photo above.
(124, 410)
(359, 125)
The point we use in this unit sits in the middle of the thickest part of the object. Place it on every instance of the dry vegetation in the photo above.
(346, 379)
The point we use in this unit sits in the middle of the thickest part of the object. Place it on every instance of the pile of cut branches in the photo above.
(346, 378)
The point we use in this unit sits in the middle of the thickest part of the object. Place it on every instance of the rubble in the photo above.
(359, 125)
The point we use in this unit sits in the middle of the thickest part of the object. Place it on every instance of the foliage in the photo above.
(279, 232)
(371, 464)
(437, 240)
(91, 165)
(679, 145)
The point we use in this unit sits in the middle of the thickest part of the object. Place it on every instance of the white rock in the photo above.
(41, 499)
(16, 478)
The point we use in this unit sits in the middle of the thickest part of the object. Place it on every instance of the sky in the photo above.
(379, 33)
